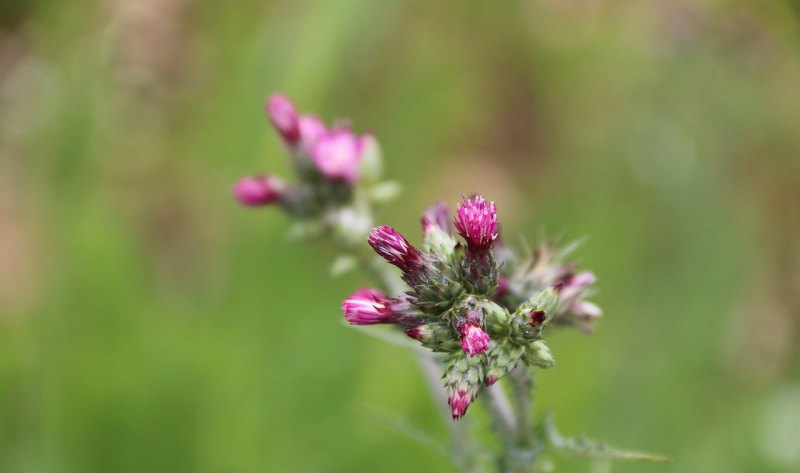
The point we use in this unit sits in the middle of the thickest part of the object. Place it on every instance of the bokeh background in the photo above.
(148, 323)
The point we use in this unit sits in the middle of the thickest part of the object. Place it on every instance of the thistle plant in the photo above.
(478, 311)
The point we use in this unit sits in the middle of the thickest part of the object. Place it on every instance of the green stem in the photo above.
(464, 455)
(500, 409)
(522, 382)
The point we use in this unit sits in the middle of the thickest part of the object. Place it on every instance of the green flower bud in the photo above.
(545, 300)
(538, 354)
(436, 336)
(440, 243)
(501, 359)
(495, 317)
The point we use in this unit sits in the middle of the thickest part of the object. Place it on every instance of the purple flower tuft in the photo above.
(436, 216)
(477, 223)
(390, 244)
(336, 155)
(283, 116)
(368, 307)
(259, 190)
(474, 340)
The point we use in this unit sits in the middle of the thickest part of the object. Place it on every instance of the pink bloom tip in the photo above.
(459, 400)
(490, 380)
(284, 118)
(415, 332)
(368, 307)
(390, 244)
(474, 340)
(259, 190)
(476, 221)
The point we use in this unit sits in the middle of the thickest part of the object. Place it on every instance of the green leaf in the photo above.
(585, 447)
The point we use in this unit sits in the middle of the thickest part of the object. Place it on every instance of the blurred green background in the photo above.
(148, 323)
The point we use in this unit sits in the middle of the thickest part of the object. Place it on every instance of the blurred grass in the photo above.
(149, 324)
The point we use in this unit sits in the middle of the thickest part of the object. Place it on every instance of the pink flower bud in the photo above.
(259, 190)
(436, 216)
(368, 307)
(459, 400)
(417, 333)
(391, 246)
(311, 130)
(477, 223)
(490, 380)
(336, 155)
(474, 340)
(283, 116)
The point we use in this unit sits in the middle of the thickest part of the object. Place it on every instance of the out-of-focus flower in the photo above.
(284, 118)
(258, 190)
(311, 130)
(436, 217)
(336, 155)
(338, 177)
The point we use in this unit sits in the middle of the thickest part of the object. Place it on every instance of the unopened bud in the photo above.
(462, 380)
(501, 359)
(538, 354)
(283, 116)
(390, 244)
(259, 190)
(439, 337)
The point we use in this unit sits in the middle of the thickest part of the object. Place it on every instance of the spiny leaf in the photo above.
(583, 446)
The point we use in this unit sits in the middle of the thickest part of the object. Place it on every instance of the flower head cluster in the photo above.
(458, 303)
(336, 169)
(546, 267)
